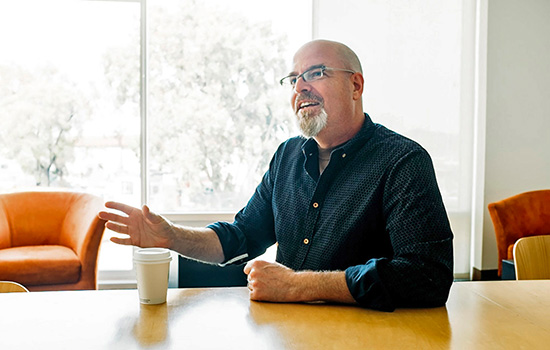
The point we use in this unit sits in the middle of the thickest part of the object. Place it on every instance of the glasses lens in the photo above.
(290, 80)
(314, 74)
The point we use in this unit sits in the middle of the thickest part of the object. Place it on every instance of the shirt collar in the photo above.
(350, 146)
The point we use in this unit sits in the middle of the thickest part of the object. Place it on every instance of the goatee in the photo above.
(312, 123)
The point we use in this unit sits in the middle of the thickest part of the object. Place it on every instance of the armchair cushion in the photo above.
(36, 265)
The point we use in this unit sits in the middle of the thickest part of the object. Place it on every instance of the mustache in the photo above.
(307, 96)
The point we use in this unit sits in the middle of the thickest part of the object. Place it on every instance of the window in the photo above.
(215, 111)
(196, 134)
(73, 107)
(63, 124)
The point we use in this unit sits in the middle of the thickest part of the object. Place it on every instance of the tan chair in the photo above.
(523, 215)
(532, 258)
(11, 287)
(50, 240)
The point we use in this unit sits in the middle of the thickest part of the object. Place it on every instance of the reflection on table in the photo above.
(478, 315)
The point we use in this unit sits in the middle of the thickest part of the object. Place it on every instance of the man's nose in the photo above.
(301, 85)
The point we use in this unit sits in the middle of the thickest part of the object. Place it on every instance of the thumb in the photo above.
(248, 267)
(149, 215)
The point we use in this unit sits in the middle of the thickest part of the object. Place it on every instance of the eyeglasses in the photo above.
(312, 74)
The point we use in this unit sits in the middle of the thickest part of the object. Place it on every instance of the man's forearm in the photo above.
(268, 281)
(322, 286)
(197, 243)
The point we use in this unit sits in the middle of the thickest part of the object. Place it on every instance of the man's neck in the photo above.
(331, 137)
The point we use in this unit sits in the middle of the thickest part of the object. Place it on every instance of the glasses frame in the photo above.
(292, 79)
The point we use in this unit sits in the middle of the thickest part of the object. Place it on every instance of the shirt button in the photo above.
(316, 205)
(306, 241)
(344, 155)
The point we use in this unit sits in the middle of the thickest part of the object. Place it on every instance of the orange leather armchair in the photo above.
(50, 240)
(522, 215)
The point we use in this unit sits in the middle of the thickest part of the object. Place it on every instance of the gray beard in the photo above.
(311, 125)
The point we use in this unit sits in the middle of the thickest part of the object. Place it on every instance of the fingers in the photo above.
(122, 241)
(120, 206)
(249, 281)
(109, 216)
(257, 283)
(105, 215)
(254, 276)
(258, 264)
(118, 223)
(248, 267)
(128, 210)
(113, 226)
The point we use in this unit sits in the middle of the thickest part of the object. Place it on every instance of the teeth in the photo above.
(307, 104)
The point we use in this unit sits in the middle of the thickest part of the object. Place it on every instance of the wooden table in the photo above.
(478, 315)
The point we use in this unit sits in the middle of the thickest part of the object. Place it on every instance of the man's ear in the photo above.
(358, 83)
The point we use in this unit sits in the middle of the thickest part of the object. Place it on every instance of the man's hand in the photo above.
(270, 281)
(143, 227)
(277, 283)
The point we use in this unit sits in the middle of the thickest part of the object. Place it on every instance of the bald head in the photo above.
(335, 92)
(338, 51)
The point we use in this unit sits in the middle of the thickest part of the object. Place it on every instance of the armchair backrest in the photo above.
(525, 214)
(47, 218)
(35, 218)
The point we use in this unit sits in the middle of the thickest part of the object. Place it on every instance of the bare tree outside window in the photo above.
(42, 114)
(216, 113)
(70, 100)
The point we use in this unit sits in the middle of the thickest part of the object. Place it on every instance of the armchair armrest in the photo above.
(82, 231)
(5, 241)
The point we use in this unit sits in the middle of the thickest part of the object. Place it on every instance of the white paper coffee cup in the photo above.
(152, 271)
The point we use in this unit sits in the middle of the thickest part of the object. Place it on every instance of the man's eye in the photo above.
(315, 74)
(292, 80)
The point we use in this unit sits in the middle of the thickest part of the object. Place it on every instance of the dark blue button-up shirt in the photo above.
(375, 212)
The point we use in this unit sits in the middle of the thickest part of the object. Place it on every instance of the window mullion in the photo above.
(143, 101)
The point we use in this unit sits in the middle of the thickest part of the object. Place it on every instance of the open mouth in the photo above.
(306, 104)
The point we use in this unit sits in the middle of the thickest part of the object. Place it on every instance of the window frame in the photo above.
(115, 279)
(125, 278)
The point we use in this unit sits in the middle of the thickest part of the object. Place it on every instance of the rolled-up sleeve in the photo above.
(420, 272)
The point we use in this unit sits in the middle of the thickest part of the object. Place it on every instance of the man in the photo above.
(354, 207)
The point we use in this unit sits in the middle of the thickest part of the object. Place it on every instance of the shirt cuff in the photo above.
(233, 243)
(366, 287)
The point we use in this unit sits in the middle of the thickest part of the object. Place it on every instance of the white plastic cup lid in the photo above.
(152, 255)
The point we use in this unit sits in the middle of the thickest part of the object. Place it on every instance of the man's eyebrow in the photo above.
(309, 68)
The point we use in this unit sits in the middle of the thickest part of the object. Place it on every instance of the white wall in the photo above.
(418, 63)
(517, 124)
